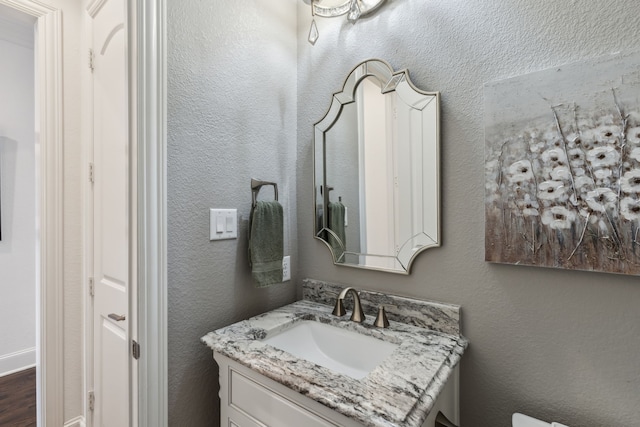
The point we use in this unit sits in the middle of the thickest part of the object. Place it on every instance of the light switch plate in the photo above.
(286, 268)
(223, 224)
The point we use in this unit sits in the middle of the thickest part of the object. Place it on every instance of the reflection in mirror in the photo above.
(377, 200)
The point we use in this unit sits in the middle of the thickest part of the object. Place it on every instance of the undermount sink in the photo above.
(340, 350)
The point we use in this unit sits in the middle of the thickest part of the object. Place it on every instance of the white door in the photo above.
(111, 218)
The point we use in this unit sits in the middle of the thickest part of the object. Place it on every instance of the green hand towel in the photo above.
(336, 224)
(266, 243)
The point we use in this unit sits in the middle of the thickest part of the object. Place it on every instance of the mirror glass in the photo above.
(376, 160)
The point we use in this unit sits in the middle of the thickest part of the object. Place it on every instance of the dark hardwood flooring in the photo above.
(18, 399)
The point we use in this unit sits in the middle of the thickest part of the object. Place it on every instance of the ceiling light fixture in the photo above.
(332, 8)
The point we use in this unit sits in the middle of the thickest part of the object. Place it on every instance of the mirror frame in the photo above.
(382, 71)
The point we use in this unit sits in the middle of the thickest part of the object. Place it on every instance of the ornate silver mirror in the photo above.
(376, 170)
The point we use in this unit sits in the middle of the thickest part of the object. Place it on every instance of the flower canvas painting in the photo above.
(562, 167)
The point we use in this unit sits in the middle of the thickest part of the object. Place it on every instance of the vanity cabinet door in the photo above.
(248, 399)
(267, 406)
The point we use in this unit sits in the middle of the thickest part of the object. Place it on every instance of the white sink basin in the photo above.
(340, 350)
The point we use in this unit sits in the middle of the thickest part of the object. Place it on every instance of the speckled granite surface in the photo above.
(425, 314)
(399, 392)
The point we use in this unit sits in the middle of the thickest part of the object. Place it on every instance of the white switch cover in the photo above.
(223, 224)
(286, 268)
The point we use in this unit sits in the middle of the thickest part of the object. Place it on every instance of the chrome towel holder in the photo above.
(256, 184)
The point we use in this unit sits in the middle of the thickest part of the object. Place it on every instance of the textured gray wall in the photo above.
(559, 345)
(231, 116)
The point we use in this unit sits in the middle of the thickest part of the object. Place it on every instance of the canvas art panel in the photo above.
(562, 167)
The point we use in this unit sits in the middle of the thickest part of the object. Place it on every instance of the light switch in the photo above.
(223, 224)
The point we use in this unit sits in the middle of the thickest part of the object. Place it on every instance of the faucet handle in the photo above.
(339, 309)
(381, 319)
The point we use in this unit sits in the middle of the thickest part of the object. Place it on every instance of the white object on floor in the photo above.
(520, 420)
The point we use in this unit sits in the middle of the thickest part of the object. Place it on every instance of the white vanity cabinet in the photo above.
(249, 399)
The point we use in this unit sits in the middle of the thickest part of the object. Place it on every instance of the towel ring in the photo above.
(256, 184)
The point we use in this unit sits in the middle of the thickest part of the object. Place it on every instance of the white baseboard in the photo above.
(75, 422)
(18, 361)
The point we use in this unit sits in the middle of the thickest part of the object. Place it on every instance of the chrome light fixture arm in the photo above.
(331, 9)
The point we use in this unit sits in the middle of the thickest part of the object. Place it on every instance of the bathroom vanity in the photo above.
(409, 385)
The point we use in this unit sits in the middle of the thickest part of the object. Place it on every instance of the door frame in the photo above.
(150, 24)
(49, 330)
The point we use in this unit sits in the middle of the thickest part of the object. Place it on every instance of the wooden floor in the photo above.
(18, 399)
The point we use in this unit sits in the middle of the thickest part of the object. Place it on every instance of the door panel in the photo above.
(113, 401)
(111, 210)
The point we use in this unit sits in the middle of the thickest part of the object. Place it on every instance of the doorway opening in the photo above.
(46, 242)
(19, 238)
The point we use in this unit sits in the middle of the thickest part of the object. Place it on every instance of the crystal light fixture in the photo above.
(313, 31)
(354, 9)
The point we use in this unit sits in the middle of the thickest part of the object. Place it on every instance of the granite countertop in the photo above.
(399, 392)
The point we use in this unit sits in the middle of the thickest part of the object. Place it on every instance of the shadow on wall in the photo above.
(198, 381)
(8, 158)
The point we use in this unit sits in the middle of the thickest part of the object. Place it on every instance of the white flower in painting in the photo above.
(578, 171)
(635, 154)
(520, 171)
(571, 138)
(554, 155)
(551, 190)
(576, 157)
(536, 146)
(603, 156)
(630, 209)
(587, 139)
(560, 172)
(630, 181)
(601, 199)
(602, 174)
(633, 135)
(583, 182)
(587, 213)
(558, 217)
(528, 207)
(584, 212)
(552, 138)
(606, 133)
(633, 118)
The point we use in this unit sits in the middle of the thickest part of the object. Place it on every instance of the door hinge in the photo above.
(135, 349)
(92, 288)
(91, 176)
(92, 401)
(91, 60)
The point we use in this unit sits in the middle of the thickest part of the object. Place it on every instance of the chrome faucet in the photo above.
(338, 310)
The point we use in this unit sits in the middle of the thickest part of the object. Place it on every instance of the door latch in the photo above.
(135, 349)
